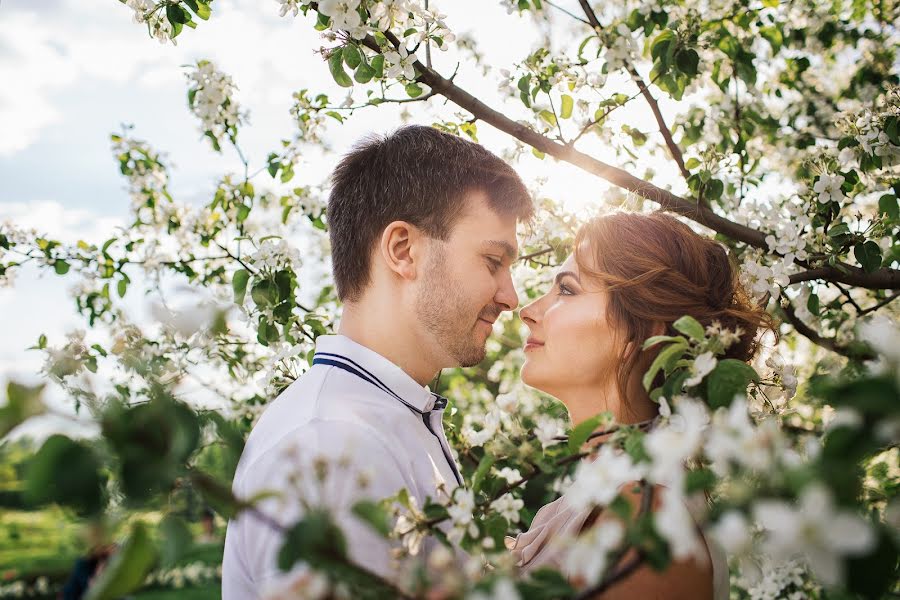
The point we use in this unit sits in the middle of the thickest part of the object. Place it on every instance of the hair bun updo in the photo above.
(656, 269)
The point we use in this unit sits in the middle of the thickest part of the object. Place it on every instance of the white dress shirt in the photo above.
(352, 407)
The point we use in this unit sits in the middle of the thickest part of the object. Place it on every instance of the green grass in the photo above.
(47, 542)
(44, 541)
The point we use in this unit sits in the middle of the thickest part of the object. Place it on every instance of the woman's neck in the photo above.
(585, 403)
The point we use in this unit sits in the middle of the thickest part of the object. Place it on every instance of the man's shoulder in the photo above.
(332, 438)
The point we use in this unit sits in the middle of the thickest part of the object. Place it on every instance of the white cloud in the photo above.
(58, 222)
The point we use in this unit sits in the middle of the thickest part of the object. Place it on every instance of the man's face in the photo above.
(466, 282)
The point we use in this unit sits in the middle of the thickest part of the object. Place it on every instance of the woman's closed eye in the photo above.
(565, 290)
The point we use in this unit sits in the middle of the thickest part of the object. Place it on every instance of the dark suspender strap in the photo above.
(356, 369)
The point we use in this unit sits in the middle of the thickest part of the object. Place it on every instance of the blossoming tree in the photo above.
(780, 122)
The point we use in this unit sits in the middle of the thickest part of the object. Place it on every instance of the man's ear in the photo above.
(402, 248)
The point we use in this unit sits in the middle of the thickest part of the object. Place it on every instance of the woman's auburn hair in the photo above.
(655, 269)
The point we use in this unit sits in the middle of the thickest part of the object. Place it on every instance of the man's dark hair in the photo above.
(416, 174)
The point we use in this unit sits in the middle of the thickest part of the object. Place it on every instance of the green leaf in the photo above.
(839, 230)
(67, 472)
(692, 163)
(413, 90)
(690, 327)
(336, 66)
(812, 304)
(887, 204)
(264, 294)
(567, 104)
(200, 8)
(581, 432)
(666, 356)
(315, 540)
(378, 66)
(364, 73)
(699, 479)
(687, 61)
(374, 515)
(548, 117)
(239, 285)
(351, 56)
(176, 539)
(868, 255)
(484, 467)
(22, 403)
(127, 569)
(177, 15)
(658, 339)
(61, 267)
(730, 378)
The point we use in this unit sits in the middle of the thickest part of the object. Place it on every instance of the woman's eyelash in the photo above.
(565, 290)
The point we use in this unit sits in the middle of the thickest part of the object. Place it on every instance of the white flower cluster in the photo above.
(462, 520)
(772, 580)
(212, 101)
(407, 19)
(828, 188)
(760, 279)
(192, 574)
(291, 6)
(813, 530)
(149, 12)
(883, 334)
(621, 50)
(146, 174)
(867, 126)
(508, 507)
(274, 255)
(21, 589)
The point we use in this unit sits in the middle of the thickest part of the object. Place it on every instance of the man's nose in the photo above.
(506, 295)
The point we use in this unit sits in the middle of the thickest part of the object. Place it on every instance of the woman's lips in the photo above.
(532, 344)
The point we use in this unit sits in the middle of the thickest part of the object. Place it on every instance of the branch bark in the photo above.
(820, 340)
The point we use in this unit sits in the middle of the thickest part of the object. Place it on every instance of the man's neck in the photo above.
(391, 339)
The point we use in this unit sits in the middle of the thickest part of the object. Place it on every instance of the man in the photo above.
(423, 234)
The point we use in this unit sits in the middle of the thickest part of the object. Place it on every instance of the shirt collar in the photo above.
(377, 369)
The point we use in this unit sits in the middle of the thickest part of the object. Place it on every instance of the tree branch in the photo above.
(820, 340)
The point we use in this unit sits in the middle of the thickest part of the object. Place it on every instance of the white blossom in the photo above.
(828, 187)
(700, 368)
(508, 507)
(587, 557)
(597, 481)
(399, 63)
(815, 529)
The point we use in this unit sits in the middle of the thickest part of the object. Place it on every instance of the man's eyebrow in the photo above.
(508, 249)
(562, 274)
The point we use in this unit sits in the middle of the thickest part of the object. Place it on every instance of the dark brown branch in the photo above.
(884, 302)
(820, 340)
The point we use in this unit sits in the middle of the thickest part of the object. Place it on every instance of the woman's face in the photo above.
(571, 346)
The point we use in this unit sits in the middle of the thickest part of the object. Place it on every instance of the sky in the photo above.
(75, 71)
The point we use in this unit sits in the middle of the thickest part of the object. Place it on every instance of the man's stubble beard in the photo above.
(444, 313)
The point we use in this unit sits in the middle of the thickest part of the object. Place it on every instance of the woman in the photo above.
(631, 276)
